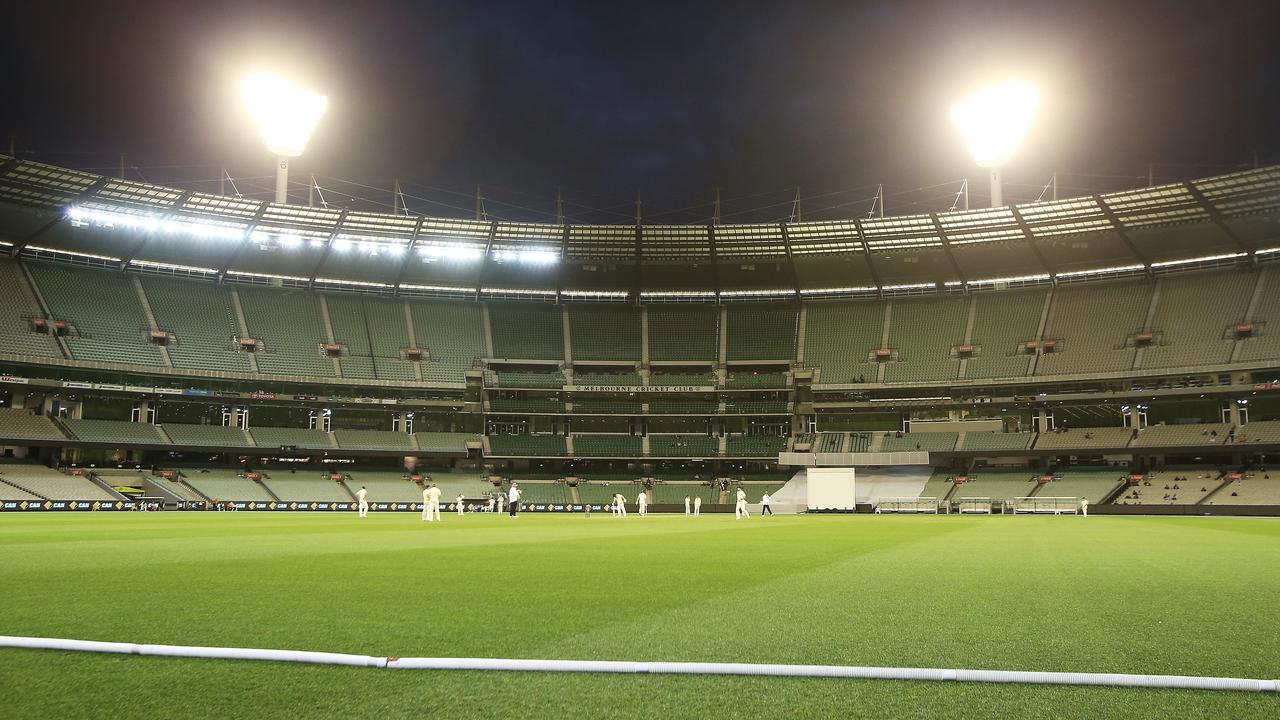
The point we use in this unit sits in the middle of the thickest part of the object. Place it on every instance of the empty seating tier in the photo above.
(840, 339)
(605, 332)
(307, 486)
(273, 437)
(684, 334)
(527, 445)
(109, 322)
(50, 484)
(683, 446)
(1092, 326)
(18, 307)
(451, 334)
(995, 441)
(373, 440)
(115, 431)
(290, 326)
(206, 435)
(923, 334)
(202, 320)
(761, 332)
(224, 485)
(23, 425)
(606, 445)
(528, 332)
(926, 441)
(1003, 323)
(755, 445)
(1182, 435)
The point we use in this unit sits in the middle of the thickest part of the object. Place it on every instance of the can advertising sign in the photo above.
(64, 505)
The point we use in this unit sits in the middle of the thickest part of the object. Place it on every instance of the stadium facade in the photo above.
(1100, 347)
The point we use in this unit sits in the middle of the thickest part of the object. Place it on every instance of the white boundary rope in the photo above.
(1185, 682)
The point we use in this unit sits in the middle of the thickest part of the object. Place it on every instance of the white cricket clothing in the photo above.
(697, 506)
(643, 501)
(686, 505)
(431, 504)
(458, 501)
(764, 499)
(1084, 507)
(513, 495)
(361, 495)
(740, 510)
(363, 502)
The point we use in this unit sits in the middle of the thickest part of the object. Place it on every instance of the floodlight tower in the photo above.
(993, 122)
(286, 115)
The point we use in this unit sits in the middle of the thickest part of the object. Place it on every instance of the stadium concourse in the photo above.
(190, 348)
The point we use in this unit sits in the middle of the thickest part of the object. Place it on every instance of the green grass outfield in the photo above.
(1194, 596)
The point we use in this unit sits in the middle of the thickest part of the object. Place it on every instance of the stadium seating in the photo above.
(452, 335)
(674, 493)
(755, 490)
(685, 406)
(1003, 322)
(110, 324)
(1085, 437)
(601, 493)
(689, 333)
(1092, 323)
(938, 485)
(1182, 435)
(1195, 317)
(527, 332)
(23, 425)
(683, 446)
(202, 321)
(277, 436)
(224, 485)
(604, 332)
(1173, 485)
(923, 332)
(606, 445)
(749, 407)
(374, 331)
(206, 435)
(544, 492)
(1263, 431)
(1093, 484)
(761, 332)
(683, 379)
(305, 486)
(755, 445)
(526, 405)
(755, 381)
(911, 442)
(115, 431)
(50, 484)
(386, 486)
(290, 327)
(18, 306)
(997, 484)
(525, 379)
(630, 406)
(443, 442)
(1266, 318)
(840, 338)
(373, 440)
(994, 441)
(176, 489)
(522, 445)
(1253, 488)
(595, 378)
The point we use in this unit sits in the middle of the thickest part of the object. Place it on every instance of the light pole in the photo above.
(286, 115)
(993, 122)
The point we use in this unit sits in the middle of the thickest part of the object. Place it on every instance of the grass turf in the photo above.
(1103, 594)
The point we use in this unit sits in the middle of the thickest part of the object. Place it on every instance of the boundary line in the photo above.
(1186, 682)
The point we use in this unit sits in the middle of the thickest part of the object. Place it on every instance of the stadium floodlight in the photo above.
(993, 123)
(286, 115)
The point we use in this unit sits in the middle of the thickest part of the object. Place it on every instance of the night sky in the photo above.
(671, 100)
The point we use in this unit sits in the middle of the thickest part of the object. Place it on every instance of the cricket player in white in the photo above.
(764, 505)
(493, 501)
(431, 504)
(458, 501)
(686, 506)
(513, 498)
(622, 505)
(643, 501)
(1084, 506)
(740, 511)
(362, 501)
(697, 506)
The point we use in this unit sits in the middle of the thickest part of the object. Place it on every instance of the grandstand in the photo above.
(761, 332)
(224, 485)
(201, 319)
(922, 334)
(528, 332)
(108, 324)
(21, 309)
(604, 333)
(207, 435)
(687, 334)
(23, 425)
(305, 487)
(28, 482)
(841, 339)
(291, 327)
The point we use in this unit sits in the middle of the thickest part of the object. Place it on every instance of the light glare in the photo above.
(995, 120)
(286, 114)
